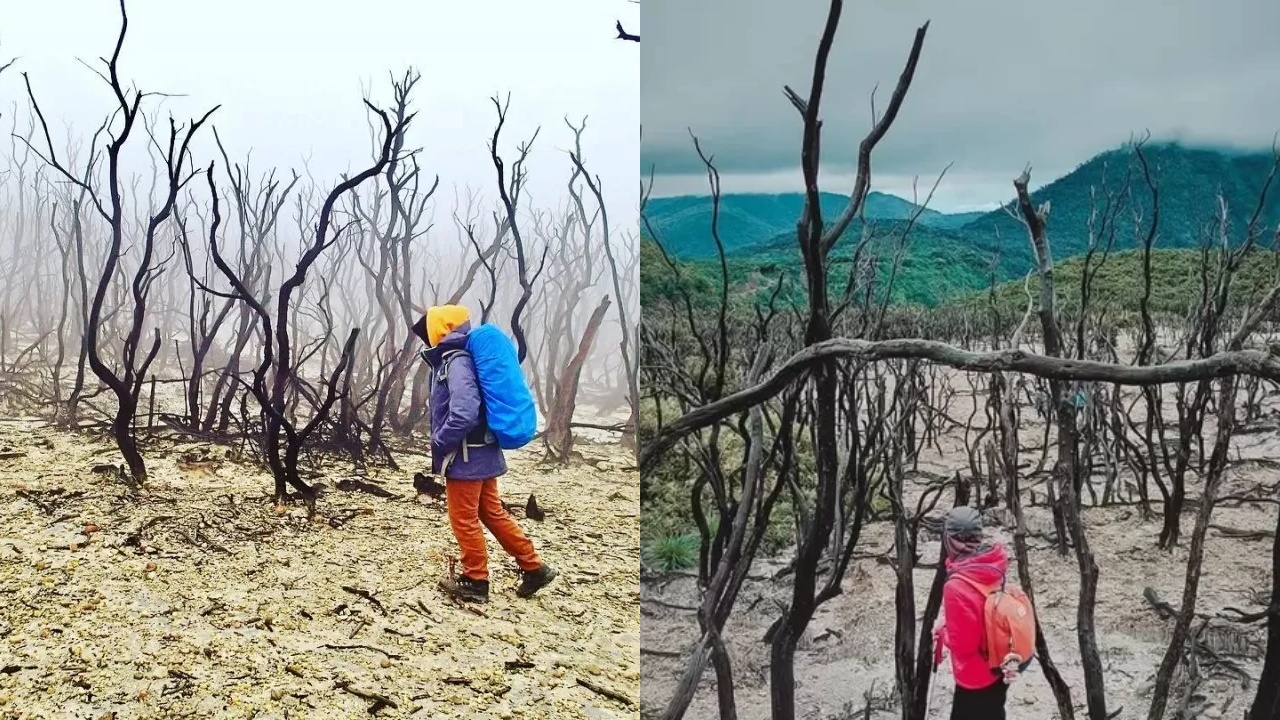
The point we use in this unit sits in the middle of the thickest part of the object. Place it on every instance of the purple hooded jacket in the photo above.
(457, 415)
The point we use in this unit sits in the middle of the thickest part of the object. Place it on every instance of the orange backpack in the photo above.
(1009, 621)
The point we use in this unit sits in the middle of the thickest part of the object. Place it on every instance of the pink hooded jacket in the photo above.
(964, 634)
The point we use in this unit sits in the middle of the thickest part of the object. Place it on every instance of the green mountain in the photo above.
(683, 223)
(1189, 180)
(947, 256)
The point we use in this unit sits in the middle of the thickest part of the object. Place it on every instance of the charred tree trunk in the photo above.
(1066, 468)
(1195, 560)
(1266, 704)
(1013, 496)
(127, 380)
(282, 439)
(559, 432)
(816, 240)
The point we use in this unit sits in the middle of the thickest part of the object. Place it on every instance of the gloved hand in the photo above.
(1010, 668)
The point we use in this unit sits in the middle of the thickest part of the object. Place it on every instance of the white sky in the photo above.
(289, 76)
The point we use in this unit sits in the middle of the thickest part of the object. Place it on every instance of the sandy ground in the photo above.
(200, 600)
(849, 644)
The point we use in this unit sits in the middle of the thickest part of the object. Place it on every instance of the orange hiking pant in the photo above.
(475, 505)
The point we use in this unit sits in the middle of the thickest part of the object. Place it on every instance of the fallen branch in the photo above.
(462, 604)
(1238, 362)
(379, 701)
(1237, 534)
(611, 694)
(367, 596)
(1246, 618)
(31, 498)
(332, 646)
(616, 427)
(355, 485)
(348, 515)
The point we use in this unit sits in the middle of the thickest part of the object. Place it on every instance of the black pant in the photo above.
(984, 704)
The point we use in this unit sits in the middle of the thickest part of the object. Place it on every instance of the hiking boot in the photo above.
(464, 588)
(532, 581)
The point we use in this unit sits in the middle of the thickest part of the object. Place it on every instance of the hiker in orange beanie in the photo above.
(466, 453)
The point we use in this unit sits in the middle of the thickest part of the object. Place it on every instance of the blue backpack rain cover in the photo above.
(508, 403)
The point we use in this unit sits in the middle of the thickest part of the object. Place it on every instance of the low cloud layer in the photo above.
(1000, 84)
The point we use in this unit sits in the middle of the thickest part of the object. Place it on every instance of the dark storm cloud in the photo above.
(1001, 82)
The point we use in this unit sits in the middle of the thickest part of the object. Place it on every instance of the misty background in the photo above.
(433, 228)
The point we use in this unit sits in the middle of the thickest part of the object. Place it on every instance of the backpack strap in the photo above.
(443, 374)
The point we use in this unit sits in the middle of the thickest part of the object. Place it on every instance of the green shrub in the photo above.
(672, 552)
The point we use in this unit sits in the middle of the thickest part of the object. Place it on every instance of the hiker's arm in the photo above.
(464, 404)
(963, 635)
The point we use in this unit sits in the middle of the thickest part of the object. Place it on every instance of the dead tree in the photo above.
(274, 383)
(1266, 704)
(1213, 316)
(816, 240)
(510, 190)
(574, 272)
(1066, 468)
(559, 431)
(888, 421)
(624, 321)
(257, 208)
(686, 361)
(391, 279)
(256, 215)
(127, 379)
(1005, 410)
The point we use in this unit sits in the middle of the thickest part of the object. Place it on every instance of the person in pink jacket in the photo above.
(980, 691)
